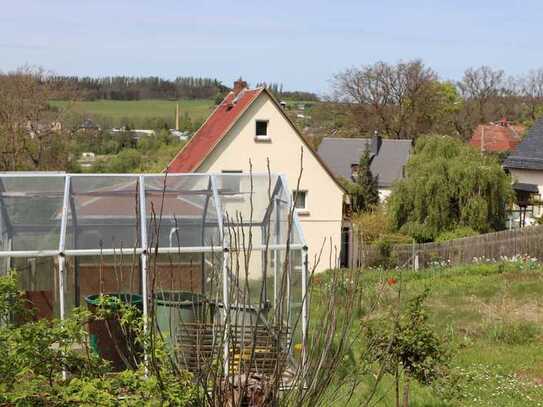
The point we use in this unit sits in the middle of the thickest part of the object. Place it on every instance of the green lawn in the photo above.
(491, 317)
(138, 110)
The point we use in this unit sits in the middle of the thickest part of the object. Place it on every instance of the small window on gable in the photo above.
(300, 198)
(262, 128)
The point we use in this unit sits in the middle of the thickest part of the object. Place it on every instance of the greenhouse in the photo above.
(231, 241)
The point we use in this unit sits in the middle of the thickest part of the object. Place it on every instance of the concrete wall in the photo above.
(323, 215)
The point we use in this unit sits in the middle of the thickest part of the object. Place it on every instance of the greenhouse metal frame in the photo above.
(210, 203)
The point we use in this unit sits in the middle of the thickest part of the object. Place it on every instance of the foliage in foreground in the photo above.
(487, 318)
(35, 354)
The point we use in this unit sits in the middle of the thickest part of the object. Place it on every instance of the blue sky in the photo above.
(298, 43)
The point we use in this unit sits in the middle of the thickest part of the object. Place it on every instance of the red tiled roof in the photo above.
(497, 137)
(212, 131)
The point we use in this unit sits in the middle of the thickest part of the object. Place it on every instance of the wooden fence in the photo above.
(491, 246)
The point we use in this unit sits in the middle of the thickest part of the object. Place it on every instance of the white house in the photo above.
(250, 125)
(525, 164)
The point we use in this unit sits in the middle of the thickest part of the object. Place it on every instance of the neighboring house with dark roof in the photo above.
(250, 124)
(388, 158)
(525, 164)
(497, 137)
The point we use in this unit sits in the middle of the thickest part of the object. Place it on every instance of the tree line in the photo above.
(408, 99)
(134, 88)
(280, 93)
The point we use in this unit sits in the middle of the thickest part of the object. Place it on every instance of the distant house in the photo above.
(250, 124)
(35, 127)
(388, 158)
(87, 159)
(180, 135)
(497, 137)
(525, 164)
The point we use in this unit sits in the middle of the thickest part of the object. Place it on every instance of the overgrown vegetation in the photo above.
(124, 154)
(37, 354)
(449, 185)
(477, 325)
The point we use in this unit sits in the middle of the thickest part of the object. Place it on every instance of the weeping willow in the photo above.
(449, 184)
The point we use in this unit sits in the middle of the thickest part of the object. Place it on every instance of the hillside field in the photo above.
(139, 110)
(490, 316)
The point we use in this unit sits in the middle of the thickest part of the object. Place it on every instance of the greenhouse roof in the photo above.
(51, 213)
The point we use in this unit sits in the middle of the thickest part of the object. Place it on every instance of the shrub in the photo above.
(35, 354)
(459, 232)
(372, 225)
(421, 233)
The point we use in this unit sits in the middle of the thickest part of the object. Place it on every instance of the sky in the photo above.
(300, 44)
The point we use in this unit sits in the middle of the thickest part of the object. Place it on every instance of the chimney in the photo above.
(239, 85)
(376, 142)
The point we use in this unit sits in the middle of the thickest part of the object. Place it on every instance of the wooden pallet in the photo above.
(252, 348)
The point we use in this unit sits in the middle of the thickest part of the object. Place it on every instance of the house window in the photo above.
(300, 200)
(354, 170)
(262, 129)
(231, 182)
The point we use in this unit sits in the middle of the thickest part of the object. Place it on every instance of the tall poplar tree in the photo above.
(364, 187)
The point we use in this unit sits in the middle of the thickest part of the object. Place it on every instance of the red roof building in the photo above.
(214, 128)
(497, 137)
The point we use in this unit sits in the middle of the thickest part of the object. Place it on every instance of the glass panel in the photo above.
(92, 275)
(38, 280)
(181, 211)
(249, 201)
(103, 213)
(279, 220)
(30, 212)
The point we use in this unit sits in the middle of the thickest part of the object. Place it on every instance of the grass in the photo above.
(138, 110)
(491, 317)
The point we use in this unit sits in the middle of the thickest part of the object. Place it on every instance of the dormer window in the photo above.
(261, 130)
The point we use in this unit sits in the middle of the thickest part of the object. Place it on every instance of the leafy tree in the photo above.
(363, 189)
(449, 184)
(409, 346)
(400, 100)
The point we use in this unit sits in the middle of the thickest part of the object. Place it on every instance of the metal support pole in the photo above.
(61, 245)
(305, 306)
(144, 259)
(61, 257)
(225, 275)
(276, 256)
(226, 312)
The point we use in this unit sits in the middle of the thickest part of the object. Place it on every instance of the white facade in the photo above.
(321, 218)
(530, 177)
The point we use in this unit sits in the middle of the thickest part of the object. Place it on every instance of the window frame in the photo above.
(300, 210)
(260, 137)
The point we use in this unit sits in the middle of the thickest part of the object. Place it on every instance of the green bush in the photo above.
(459, 232)
(35, 354)
(421, 233)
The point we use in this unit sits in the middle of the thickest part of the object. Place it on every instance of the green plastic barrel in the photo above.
(106, 336)
(175, 308)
